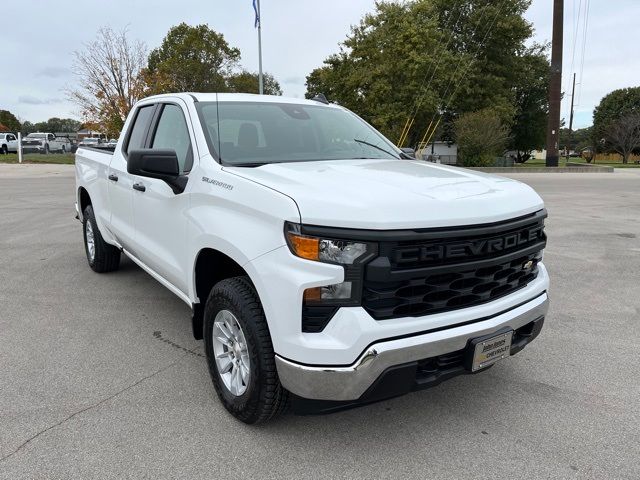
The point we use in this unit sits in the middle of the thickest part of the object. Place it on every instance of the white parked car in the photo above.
(90, 142)
(43, 143)
(8, 143)
(325, 268)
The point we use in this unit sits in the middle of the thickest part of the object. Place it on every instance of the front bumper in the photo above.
(32, 148)
(390, 367)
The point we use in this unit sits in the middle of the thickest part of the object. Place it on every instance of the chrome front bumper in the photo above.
(346, 383)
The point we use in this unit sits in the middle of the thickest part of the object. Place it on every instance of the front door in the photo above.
(159, 214)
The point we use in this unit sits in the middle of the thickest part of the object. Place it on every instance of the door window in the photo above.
(172, 134)
(138, 131)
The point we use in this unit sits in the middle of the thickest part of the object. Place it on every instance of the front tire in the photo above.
(240, 353)
(101, 256)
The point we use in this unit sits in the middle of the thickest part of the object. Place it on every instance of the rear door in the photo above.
(160, 214)
(121, 183)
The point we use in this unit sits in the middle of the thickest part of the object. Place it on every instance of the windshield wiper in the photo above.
(249, 164)
(375, 146)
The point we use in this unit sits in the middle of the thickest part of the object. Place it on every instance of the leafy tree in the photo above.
(436, 59)
(247, 82)
(531, 103)
(109, 70)
(9, 120)
(481, 137)
(56, 124)
(28, 127)
(624, 134)
(580, 138)
(611, 108)
(191, 59)
(382, 65)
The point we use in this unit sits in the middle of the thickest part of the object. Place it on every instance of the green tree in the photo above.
(28, 127)
(436, 59)
(247, 82)
(529, 124)
(580, 138)
(481, 137)
(614, 106)
(191, 59)
(9, 120)
(55, 124)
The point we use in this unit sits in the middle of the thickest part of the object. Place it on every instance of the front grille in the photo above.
(449, 269)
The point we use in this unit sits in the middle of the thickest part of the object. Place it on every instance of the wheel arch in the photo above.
(84, 199)
(210, 267)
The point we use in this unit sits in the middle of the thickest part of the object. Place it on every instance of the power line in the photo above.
(423, 90)
(431, 129)
(576, 33)
(585, 36)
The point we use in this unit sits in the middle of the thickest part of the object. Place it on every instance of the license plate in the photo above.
(489, 351)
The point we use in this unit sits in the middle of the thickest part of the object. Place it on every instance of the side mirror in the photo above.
(160, 164)
(409, 152)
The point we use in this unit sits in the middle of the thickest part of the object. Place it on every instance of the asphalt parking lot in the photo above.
(101, 378)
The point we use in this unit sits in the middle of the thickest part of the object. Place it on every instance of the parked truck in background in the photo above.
(8, 143)
(324, 268)
(39, 142)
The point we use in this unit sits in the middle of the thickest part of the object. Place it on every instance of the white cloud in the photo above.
(30, 100)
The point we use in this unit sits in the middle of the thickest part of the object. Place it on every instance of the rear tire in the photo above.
(101, 256)
(4, 150)
(261, 397)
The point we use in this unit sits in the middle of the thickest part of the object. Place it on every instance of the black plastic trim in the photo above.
(437, 233)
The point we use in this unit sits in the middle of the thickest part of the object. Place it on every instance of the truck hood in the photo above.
(394, 194)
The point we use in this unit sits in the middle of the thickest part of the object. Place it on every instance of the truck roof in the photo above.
(239, 97)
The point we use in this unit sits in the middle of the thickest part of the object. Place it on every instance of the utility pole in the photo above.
(573, 93)
(555, 85)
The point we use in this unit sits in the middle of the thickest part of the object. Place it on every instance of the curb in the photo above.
(544, 169)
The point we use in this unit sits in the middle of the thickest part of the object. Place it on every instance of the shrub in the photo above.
(481, 137)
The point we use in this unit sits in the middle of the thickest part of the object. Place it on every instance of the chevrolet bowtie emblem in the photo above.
(528, 265)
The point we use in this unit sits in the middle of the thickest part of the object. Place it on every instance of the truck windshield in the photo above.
(257, 133)
(37, 135)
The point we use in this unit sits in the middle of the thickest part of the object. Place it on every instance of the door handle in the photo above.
(139, 187)
(113, 177)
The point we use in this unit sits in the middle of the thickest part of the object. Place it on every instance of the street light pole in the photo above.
(260, 79)
(555, 85)
(573, 94)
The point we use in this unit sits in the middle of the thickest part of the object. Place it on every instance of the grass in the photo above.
(58, 158)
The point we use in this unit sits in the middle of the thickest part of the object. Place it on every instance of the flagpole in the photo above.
(260, 80)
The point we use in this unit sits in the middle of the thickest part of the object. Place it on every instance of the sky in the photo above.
(297, 36)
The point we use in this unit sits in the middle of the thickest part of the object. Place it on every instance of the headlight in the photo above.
(343, 252)
(320, 303)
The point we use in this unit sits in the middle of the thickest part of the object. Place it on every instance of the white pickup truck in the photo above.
(8, 143)
(44, 143)
(324, 267)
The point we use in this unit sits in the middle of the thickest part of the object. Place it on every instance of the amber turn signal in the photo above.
(313, 294)
(304, 247)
